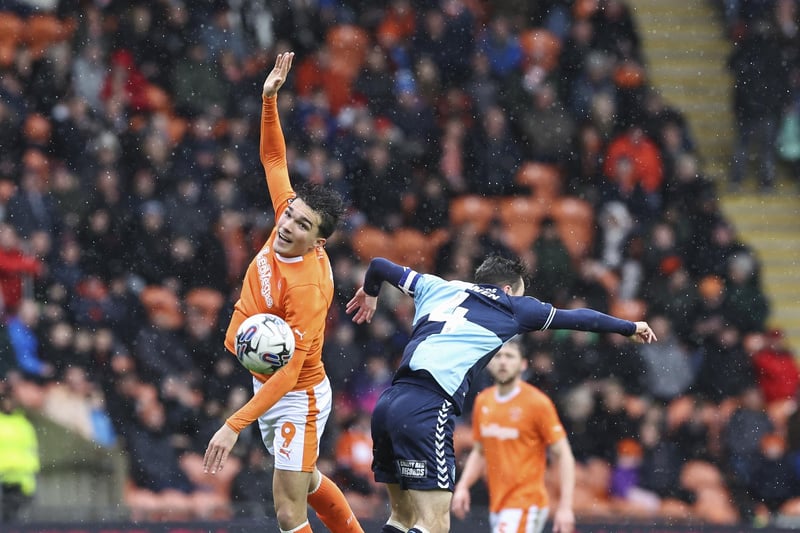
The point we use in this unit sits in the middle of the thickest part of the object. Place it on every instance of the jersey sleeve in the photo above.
(273, 156)
(380, 270)
(548, 423)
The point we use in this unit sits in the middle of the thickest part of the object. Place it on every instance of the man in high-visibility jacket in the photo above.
(19, 457)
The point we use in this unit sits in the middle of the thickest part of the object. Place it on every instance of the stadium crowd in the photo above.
(132, 196)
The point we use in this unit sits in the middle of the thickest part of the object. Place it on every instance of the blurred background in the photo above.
(642, 157)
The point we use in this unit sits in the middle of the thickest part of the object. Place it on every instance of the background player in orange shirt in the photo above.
(290, 277)
(514, 426)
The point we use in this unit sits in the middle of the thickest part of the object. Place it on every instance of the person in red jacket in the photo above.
(15, 268)
(775, 367)
(634, 145)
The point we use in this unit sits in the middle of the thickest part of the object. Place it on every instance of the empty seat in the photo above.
(416, 249)
(369, 242)
(521, 217)
(543, 179)
(11, 28)
(575, 220)
(473, 210)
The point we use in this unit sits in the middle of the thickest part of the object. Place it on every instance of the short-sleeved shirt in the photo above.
(515, 432)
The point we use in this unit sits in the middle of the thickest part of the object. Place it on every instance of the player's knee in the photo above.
(290, 516)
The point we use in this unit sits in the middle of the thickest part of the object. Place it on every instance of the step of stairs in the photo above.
(692, 75)
(686, 51)
(770, 224)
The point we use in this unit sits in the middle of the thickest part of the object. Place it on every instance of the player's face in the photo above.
(298, 230)
(507, 364)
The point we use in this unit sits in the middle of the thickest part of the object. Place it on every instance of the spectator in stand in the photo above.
(22, 332)
(669, 368)
(724, 368)
(644, 156)
(32, 208)
(19, 457)
(553, 271)
(775, 367)
(495, 156)
(17, 269)
(773, 482)
(742, 434)
(760, 95)
(545, 126)
(748, 306)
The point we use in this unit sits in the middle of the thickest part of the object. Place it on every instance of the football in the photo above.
(264, 343)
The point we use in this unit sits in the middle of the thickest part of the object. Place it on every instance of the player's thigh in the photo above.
(401, 505)
(290, 488)
(292, 428)
(530, 520)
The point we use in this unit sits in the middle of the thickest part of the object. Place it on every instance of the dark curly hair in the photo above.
(499, 270)
(324, 201)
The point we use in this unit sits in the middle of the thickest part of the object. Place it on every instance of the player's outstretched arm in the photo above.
(277, 76)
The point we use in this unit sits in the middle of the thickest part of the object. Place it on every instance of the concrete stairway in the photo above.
(686, 52)
(770, 224)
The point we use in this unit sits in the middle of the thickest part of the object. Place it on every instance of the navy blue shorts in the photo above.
(412, 436)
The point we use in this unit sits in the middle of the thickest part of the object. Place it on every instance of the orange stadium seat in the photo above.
(543, 179)
(348, 49)
(473, 209)
(42, 31)
(11, 29)
(541, 48)
(369, 242)
(575, 220)
(633, 309)
(521, 217)
(416, 249)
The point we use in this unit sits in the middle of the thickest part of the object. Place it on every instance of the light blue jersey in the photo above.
(459, 326)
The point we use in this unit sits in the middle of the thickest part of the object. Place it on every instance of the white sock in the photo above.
(298, 528)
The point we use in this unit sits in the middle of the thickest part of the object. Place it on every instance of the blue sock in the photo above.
(391, 529)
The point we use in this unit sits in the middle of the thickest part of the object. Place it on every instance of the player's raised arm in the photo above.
(365, 300)
(273, 144)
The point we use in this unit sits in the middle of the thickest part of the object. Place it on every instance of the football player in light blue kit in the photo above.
(458, 327)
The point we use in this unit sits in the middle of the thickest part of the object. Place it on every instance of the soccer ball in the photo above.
(264, 343)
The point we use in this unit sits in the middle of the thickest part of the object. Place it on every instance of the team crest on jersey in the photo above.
(515, 413)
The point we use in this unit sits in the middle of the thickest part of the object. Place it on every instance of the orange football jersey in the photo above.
(515, 432)
(297, 289)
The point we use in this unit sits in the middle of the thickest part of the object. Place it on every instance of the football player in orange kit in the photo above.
(514, 425)
(290, 277)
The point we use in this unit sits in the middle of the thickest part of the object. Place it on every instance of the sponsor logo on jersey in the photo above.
(265, 276)
(412, 468)
(499, 432)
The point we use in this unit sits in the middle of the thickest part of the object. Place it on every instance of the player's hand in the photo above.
(277, 76)
(364, 306)
(460, 502)
(643, 333)
(219, 447)
(564, 520)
